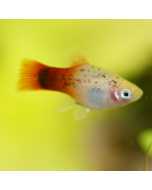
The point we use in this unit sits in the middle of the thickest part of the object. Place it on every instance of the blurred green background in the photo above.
(34, 136)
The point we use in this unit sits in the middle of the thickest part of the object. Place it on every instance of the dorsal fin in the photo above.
(76, 58)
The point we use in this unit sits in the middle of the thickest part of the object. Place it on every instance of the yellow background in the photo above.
(33, 135)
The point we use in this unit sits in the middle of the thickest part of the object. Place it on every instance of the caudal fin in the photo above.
(29, 75)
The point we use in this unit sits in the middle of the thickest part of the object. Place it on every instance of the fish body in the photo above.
(90, 86)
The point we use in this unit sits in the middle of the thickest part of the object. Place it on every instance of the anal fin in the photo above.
(81, 112)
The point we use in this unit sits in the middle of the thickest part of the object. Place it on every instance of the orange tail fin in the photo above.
(29, 78)
(36, 76)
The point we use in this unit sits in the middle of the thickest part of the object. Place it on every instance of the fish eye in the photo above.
(126, 94)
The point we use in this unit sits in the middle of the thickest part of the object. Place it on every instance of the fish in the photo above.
(91, 87)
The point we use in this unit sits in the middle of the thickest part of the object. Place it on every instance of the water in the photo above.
(35, 136)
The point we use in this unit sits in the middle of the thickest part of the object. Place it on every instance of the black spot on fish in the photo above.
(104, 76)
(64, 77)
(67, 84)
(113, 81)
(43, 77)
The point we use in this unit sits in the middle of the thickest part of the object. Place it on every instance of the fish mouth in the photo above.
(138, 94)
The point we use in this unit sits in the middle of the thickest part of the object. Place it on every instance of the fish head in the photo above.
(125, 93)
